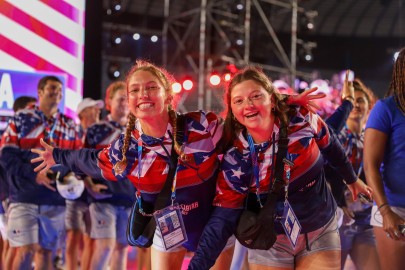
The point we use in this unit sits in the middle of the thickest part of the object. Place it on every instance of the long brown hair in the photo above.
(397, 85)
(232, 126)
(166, 81)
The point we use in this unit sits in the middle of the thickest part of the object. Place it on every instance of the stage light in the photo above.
(115, 37)
(117, 40)
(239, 6)
(113, 70)
(214, 79)
(187, 84)
(227, 77)
(176, 87)
(239, 42)
(136, 36)
(115, 7)
(308, 57)
(305, 52)
(154, 38)
(308, 19)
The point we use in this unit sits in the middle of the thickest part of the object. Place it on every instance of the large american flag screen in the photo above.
(40, 37)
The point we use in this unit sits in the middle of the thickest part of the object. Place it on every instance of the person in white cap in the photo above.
(77, 221)
(88, 112)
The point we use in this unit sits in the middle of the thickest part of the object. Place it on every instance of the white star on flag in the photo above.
(237, 173)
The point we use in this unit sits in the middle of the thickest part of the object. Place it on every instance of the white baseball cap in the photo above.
(89, 102)
(71, 188)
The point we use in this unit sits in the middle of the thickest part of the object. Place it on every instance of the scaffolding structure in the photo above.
(201, 36)
(212, 20)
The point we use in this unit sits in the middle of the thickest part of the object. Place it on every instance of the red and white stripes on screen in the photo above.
(45, 35)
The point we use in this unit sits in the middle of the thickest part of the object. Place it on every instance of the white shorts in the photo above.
(3, 226)
(376, 218)
(109, 221)
(78, 216)
(36, 224)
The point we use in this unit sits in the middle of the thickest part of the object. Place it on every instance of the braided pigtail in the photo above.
(120, 166)
(397, 85)
(177, 134)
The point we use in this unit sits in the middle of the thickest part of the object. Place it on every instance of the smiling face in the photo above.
(119, 104)
(146, 95)
(51, 94)
(90, 114)
(251, 105)
(361, 106)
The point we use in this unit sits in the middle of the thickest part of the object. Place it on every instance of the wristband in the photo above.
(350, 98)
(383, 205)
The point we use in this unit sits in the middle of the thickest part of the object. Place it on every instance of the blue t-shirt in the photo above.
(388, 118)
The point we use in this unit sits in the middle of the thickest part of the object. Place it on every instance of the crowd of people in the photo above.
(334, 168)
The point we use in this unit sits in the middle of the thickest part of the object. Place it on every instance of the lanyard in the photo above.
(138, 192)
(49, 131)
(287, 169)
(255, 165)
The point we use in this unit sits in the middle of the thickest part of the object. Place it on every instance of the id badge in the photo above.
(170, 223)
(291, 225)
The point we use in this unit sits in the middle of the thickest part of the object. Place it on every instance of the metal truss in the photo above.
(205, 28)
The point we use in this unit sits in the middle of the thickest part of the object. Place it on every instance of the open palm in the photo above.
(45, 156)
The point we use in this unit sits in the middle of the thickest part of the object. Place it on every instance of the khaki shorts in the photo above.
(282, 253)
(109, 221)
(36, 224)
(78, 216)
(3, 226)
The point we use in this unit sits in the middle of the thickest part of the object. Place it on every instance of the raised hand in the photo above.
(348, 89)
(306, 99)
(45, 157)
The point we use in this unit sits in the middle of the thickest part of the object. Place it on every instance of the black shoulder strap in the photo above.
(164, 194)
(277, 189)
(278, 184)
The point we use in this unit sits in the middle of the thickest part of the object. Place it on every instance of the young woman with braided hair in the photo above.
(384, 165)
(142, 155)
(255, 115)
(152, 129)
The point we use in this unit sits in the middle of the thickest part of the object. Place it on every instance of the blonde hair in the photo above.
(165, 80)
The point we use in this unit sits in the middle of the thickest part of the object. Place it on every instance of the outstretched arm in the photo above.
(305, 99)
(82, 162)
(338, 160)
